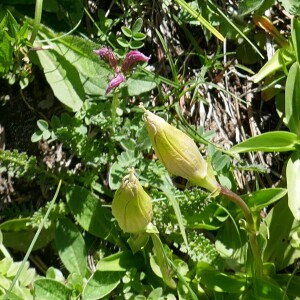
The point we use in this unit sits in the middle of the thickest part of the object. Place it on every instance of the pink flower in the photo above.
(108, 55)
(114, 83)
(132, 58)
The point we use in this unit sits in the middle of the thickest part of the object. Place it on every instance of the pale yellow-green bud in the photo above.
(132, 206)
(179, 153)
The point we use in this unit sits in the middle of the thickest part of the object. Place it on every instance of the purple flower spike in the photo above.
(114, 83)
(132, 58)
(107, 55)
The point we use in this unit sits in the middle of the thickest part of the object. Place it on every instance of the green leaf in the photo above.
(101, 284)
(140, 84)
(17, 235)
(139, 36)
(90, 214)
(220, 282)
(42, 125)
(137, 26)
(247, 6)
(293, 183)
(278, 227)
(121, 261)
(281, 59)
(63, 78)
(126, 31)
(123, 42)
(263, 198)
(292, 96)
(274, 141)
(196, 15)
(47, 289)
(6, 52)
(71, 247)
(295, 32)
(291, 6)
(136, 44)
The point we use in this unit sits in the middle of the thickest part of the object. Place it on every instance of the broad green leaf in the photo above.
(278, 227)
(63, 78)
(263, 198)
(17, 235)
(42, 125)
(293, 183)
(231, 243)
(274, 141)
(101, 284)
(47, 289)
(292, 96)
(295, 32)
(281, 59)
(220, 282)
(71, 247)
(90, 214)
(139, 84)
(94, 73)
(121, 261)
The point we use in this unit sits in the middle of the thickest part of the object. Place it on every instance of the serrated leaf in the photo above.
(274, 141)
(71, 247)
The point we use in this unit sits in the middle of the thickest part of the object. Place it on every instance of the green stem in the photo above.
(37, 19)
(251, 229)
(114, 106)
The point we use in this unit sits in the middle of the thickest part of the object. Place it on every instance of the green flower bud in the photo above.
(132, 206)
(179, 153)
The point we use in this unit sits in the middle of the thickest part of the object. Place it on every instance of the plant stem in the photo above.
(251, 228)
(114, 106)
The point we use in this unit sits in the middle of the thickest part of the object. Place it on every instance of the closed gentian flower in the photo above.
(132, 206)
(115, 82)
(108, 55)
(132, 58)
(179, 153)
